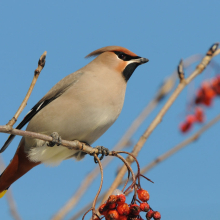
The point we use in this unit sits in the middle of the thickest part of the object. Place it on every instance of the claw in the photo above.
(103, 151)
(56, 140)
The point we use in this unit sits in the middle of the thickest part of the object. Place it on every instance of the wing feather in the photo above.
(53, 94)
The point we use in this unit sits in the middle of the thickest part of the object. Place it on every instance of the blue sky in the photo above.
(186, 185)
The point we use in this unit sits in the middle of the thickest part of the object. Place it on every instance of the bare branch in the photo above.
(76, 145)
(41, 64)
(9, 196)
(180, 70)
(100, 187)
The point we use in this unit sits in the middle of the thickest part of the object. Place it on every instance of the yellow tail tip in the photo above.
(3, 193)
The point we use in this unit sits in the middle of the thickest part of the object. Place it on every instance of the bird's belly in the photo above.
(86, 126)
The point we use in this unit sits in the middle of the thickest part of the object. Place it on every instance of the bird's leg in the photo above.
(103, 151)
(56, 140)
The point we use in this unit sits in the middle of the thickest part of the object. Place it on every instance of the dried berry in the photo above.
(143, 195)
(121, 199)
(112, 199)
(149, 215)
(156, 215)
(103, 209)
(112, 215)
(144, 207)
(135, 209)
(123, 209)
(123, 217)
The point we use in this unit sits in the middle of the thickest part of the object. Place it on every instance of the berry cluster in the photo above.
(204, 96)
(117, 209)
(197, 117)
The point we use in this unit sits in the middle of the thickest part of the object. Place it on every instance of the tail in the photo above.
(19, 165)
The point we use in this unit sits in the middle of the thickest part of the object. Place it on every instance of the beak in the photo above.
(141, 60)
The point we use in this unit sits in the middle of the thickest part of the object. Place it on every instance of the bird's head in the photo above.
(119, 59)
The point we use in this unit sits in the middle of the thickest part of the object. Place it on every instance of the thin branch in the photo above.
(163, 91)
(100, 187)
(183, 83)
(180, 70)
(75, 145)
(9, 196)
(127, 165)
(41, 64)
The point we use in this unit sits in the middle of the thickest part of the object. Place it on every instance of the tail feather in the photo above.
(19, 165)
(9, 140)
(2, 193)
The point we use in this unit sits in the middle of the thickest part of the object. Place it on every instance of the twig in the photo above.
(114, 153)
(86, 213)
(138, 166)
(9, 196)
(76, 145)
(100, 187)
(41, 64)
(205, 61)
(166, 87)
(180, 71)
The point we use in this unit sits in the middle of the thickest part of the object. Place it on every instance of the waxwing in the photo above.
(82, 106)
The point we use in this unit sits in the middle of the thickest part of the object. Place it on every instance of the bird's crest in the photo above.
(111, 49)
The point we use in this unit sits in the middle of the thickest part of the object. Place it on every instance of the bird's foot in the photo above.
(103, 151)
(56, 140)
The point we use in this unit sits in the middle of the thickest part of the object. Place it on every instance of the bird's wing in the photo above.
(53, 94)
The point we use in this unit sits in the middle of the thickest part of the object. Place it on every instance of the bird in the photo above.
(82, 106)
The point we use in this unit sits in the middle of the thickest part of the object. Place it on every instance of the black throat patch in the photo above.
(129, 69)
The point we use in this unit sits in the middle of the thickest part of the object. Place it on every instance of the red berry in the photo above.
(208, 93)
(122, 217)
(191, 119)
(111, 206)
(135, 209)
(144, 207)
(205, 94)
(199, 114)
(149, 215)
(185, 126)
(207, 101)
(156, 215)
(112, 215)
(103, 209)
(121, 199)
(134, 218)
(143, 195)
(123, 209)
(216, 84)
(112, 199)
(199, 97)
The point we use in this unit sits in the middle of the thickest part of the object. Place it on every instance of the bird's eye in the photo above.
(122, 56)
